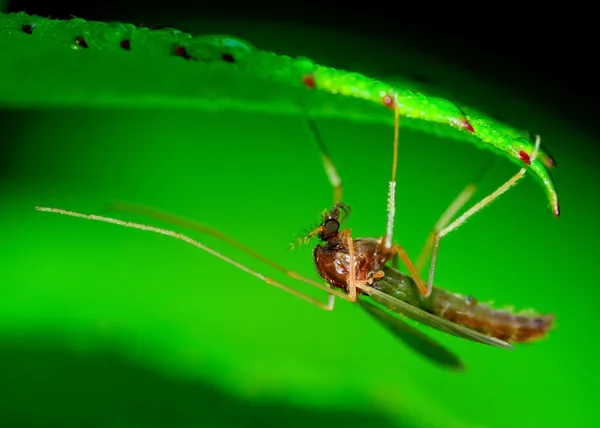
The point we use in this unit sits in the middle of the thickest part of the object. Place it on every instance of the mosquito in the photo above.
(365, 270)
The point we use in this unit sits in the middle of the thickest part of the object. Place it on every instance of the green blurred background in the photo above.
(102, 326)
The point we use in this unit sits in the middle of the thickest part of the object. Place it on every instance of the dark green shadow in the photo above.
(46, 385)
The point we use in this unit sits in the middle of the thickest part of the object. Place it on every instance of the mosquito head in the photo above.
(332, 220)
(329, 226)
(329, 229)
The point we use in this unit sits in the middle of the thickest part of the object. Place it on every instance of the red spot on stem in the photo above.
(80, 41)
(524, 157)
(388, 101)
(27, 28)
(182, 52)
(126, 44)
(467, 125)
(556, 210)
(309, 80)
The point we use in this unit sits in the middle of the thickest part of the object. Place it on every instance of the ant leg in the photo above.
(181, 237)
(330, 169)
(474, 209)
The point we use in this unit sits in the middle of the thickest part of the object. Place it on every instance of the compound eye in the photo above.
(330, 227)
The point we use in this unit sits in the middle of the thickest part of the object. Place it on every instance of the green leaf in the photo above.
(79, 63)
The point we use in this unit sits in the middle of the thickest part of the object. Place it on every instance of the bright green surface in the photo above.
(42, 70)
(104, 326)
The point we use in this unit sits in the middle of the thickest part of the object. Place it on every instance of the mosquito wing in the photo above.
(417, 314)
(414, 338)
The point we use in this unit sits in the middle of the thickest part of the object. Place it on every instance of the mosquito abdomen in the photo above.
(502, 324)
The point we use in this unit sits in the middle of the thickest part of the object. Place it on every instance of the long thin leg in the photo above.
(181, 237)
(352, 268)
(474, 209)
(336, 181)
(391, 210)
(330, 169)
(400, 251)
(126, 207)
(391, 206)
(460, 201)
(463, 197)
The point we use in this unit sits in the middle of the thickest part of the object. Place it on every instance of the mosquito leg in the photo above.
(352, 268)
(353, 284)
(474, 209)
(391, 205)
(400, 251)
(460, 201)
(330, 169)
(130, 208)
(395, 261)
(457, 204)
(396, 249)
(184, 238)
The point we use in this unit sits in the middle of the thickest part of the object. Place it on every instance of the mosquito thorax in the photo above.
(332, 260)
